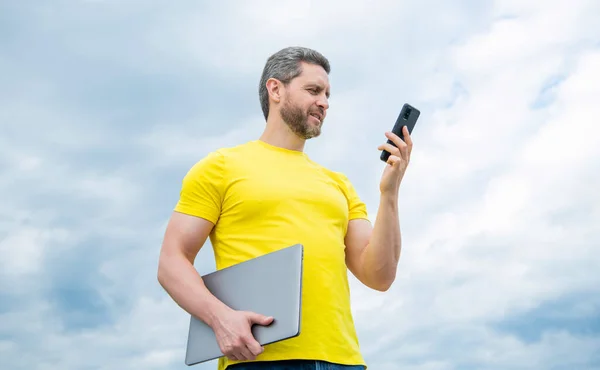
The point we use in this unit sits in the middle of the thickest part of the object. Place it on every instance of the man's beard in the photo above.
(297, 120)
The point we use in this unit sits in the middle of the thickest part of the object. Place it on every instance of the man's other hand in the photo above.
(234, 335)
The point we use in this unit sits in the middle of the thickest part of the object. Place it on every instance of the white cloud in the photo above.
(23, 249)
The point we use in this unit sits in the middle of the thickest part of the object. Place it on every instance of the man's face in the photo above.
(305, 101)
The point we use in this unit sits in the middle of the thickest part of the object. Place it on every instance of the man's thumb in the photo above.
(256, 318)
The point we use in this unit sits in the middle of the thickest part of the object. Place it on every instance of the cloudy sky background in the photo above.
(104, 105)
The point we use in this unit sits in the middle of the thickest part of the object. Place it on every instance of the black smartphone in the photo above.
(408, 117)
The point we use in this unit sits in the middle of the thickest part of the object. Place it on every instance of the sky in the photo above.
(105, 105)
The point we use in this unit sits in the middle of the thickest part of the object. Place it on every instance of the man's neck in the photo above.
(277, 133)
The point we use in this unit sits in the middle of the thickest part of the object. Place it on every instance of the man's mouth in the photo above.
(317, 116)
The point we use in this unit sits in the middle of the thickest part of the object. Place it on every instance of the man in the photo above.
(267, 194)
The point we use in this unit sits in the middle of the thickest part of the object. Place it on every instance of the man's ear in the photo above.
(274, 87)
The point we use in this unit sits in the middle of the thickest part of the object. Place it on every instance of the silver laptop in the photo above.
(270, 285)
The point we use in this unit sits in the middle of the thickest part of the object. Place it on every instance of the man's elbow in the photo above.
(383, 286)
(162, 272)
(384, 282)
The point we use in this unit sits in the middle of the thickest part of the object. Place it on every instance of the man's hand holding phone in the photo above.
(396, 151)
(397, 161)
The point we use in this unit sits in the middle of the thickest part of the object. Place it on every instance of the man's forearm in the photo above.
(381, 256)
(183, 283)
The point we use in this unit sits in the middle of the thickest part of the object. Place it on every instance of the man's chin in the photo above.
(307, 135)
(307, 131)
(314, 133)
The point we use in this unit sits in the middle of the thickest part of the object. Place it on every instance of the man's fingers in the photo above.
(393, 160)
(396, 139)
(407, 138)
(390, 149)
(254, 347)
(409, 143)
(233, 357)
(256, 318)
(245, 353)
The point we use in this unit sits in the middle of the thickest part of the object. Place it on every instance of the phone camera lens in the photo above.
(406, 114)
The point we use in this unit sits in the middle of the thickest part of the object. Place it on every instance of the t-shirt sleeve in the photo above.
(356, 207)
(202, 187)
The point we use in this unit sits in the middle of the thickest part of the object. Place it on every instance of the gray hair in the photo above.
(284, 66)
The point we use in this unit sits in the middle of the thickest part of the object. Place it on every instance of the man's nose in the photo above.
(323, 103)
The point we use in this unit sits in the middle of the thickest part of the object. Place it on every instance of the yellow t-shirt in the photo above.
(262, 198)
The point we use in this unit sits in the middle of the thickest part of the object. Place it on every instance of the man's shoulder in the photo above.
(222, 153)
(215, 161)
(225, 151)
(235, 150)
